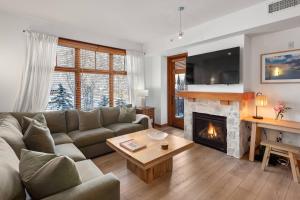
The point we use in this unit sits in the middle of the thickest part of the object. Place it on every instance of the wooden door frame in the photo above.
(171, 89)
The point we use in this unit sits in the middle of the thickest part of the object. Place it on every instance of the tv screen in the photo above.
(219, 67)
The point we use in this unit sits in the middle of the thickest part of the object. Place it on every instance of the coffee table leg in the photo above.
(148, 175)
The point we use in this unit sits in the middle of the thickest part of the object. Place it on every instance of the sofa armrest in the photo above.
(106, 187)
(144, 122)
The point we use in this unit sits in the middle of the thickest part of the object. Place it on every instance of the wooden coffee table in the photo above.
(151, 162)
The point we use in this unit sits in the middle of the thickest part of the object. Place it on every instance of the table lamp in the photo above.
(143, 94)
(260, 101)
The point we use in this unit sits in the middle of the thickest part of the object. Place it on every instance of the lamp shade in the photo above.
(261, 100)
(142, 93)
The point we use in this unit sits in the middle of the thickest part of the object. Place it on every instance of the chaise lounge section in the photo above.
(69, 141)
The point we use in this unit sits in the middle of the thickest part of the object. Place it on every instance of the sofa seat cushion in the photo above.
(61, 138)
(124, 128)
(69, 150)
(88, 170)
(90, 137)
(11, 186)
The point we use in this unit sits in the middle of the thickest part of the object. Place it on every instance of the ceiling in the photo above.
(134, 20)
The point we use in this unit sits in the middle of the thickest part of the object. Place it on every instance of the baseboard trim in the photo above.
(161, 125)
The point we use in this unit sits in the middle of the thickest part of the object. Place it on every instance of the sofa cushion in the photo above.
(72, 120)
(38, 138)
(124, 128)
(110, 115)
(11, 186)
(8, 118)
(69, 150)
(61, 138)
(127, 115)
(56, 121)
(12, 135)
(89, 120)
(86, 138)
(88, 170)
(46, 174)
(27, 120)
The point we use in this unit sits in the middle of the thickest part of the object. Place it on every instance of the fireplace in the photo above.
(210, 130)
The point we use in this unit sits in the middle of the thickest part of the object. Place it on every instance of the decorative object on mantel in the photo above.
(279, 109)
(260, 101)
(281, 67)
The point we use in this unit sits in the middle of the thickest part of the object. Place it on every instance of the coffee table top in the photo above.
(153, 153)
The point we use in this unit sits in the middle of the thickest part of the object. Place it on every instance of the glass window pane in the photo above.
(87, 59)
(119, 62)
(94, 91)
(121, 93)
(102, 61)
(65, 56)
(62, 93)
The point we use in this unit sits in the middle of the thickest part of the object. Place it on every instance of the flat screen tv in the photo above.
(219, 67)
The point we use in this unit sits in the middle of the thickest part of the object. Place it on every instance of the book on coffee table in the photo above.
(132, 145)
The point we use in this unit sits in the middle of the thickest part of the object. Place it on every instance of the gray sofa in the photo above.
(69, 141)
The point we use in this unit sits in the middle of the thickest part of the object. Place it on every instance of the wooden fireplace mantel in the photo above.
(225, 98)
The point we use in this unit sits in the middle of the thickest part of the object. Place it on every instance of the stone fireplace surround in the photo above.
(237, 131)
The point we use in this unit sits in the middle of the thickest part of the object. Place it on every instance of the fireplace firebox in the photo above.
(210, 130)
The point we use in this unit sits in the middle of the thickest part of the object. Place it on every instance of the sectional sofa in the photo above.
(69, 141)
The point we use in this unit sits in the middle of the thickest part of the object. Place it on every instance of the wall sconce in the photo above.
(260, 101)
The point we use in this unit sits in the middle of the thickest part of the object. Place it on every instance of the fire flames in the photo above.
(212, 133)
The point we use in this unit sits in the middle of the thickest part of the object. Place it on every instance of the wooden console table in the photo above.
(259, 124)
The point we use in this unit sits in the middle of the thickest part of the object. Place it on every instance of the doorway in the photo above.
(176, 83)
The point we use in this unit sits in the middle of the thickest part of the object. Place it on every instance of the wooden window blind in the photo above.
(88, 76)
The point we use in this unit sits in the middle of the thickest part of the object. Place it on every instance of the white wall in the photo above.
(13, 49)
(250, 19)
(156, 83)
(289, 93)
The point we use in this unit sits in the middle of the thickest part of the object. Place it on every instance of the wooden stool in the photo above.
(284, 150)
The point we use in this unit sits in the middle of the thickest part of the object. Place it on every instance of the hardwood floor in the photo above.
(206, 174)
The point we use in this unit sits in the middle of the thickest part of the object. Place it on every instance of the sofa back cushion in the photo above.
(127, 115)
(8, 118)
(11, 187)
(46, 174)
(89, 120)
(11, 133)
(56, 121)
(110, 115)
(72, 120)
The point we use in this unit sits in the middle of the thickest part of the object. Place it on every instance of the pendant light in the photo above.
(180, 34)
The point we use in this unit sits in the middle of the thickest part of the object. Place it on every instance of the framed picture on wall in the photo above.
(281, 67)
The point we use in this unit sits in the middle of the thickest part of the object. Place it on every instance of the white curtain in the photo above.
(135, 74)
(36, 77)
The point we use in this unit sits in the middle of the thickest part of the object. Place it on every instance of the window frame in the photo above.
(77, 70)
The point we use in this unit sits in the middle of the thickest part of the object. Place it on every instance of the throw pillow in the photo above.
(127, 115)
(89, 120)
(46, 174)
(27, 120)
(38, 138)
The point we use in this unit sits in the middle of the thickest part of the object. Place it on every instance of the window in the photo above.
(88, 76)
